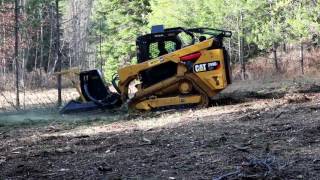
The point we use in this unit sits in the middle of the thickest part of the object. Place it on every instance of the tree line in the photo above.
(101, 33)
(259, 27)
(39, 38)
(37, 34)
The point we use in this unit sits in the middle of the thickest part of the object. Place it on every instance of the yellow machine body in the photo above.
(171, 71)
(161, 94)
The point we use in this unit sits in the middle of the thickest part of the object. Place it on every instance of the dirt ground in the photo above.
(268, 130)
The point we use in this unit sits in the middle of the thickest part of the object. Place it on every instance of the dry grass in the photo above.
(290, 66)
(34, 99)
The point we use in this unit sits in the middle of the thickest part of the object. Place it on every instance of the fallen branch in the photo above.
(278, 115)
(254, 168)
(227, 175)
(239, 148)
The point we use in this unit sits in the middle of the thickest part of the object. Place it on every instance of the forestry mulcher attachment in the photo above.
(176, 67)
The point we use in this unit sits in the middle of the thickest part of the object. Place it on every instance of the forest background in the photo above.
(40, 37)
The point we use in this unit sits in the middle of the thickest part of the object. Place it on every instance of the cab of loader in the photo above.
(158, 43)
(163, 41)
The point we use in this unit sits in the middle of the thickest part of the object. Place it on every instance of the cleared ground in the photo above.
(267, 130)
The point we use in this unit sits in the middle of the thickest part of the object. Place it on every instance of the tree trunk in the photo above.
(275, 57)
(274, 45)
(36, 53)
(230, 51)
(100, 48)
(4, 42)
(51, 37)
(41, 45)
(240, 45)
(58, 52)
(70, 56)
(301, 58)
(284, 47)
(16, 48)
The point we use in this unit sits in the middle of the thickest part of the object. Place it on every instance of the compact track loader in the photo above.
(176, 67)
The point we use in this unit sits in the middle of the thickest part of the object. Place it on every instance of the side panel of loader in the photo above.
(210, 68)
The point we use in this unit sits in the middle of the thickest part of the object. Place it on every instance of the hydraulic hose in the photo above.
(110, 100)
(114, 80)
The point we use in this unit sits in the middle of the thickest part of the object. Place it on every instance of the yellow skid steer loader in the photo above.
(176, 67)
